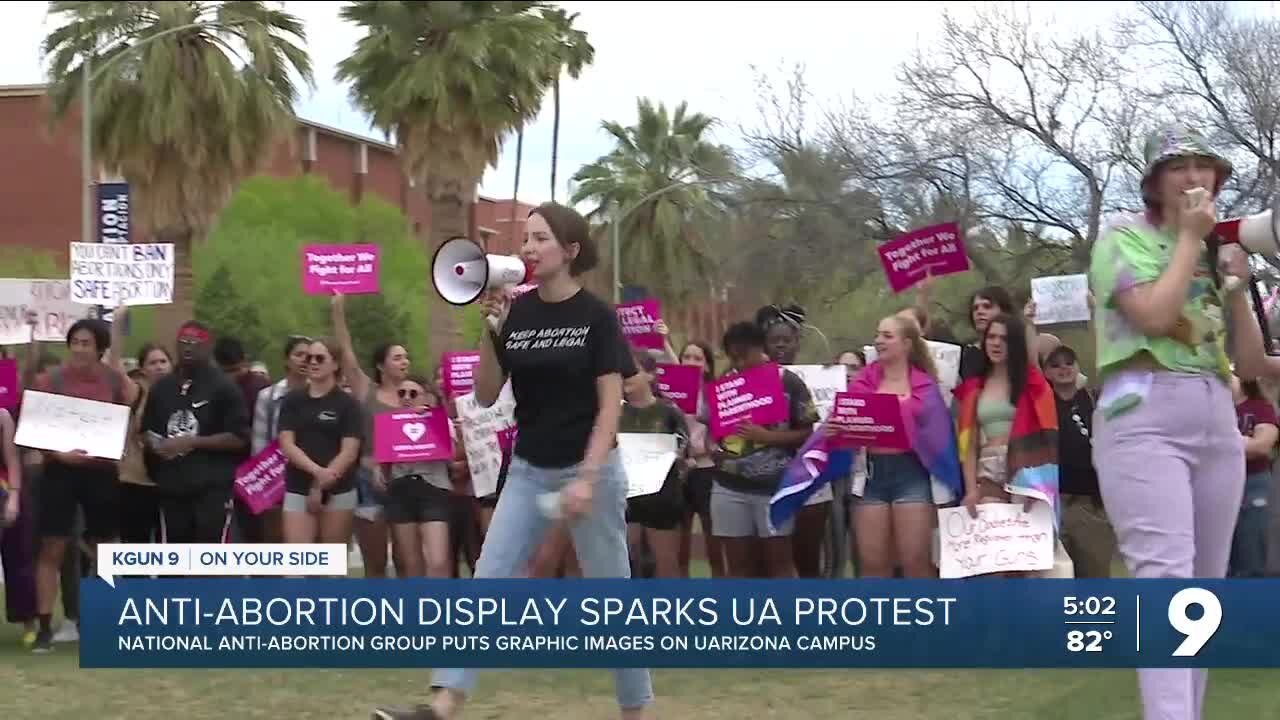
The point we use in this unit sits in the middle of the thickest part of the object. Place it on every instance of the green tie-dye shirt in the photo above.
(1132, 253)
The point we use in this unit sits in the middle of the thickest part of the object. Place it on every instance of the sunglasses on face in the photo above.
(407, 393)
(317, 359)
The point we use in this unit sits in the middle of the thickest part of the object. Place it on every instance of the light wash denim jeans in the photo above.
(600, 539)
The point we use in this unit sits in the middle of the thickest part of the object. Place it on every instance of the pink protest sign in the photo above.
(753, 396)
(8, 384)
(410, 436)
(680, 384)
(934, 250)
(260, 479)
(866, 420)
(638, 320)
(458, 371)
(348, 269)
(507, 440)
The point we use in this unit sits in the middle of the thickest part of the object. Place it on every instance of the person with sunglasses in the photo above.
(196, 429)
(321, 432)
(390, 362)
(418, 498)
(1087, 535)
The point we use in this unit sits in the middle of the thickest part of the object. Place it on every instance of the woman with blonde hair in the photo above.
(894, 510)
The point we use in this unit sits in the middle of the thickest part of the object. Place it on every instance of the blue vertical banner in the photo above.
(113, 212)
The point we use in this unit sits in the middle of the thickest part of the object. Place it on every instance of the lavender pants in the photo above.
(1172, 477)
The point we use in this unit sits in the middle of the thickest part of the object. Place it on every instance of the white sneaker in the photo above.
(67, 633)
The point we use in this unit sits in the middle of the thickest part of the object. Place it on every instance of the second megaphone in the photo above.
(1257, 233)
(461, 271)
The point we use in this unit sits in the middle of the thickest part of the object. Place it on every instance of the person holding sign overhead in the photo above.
(566, 357)
(894, 513)
(376, 395)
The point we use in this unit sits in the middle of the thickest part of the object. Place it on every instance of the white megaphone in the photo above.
(461, 271)
(1258, 234)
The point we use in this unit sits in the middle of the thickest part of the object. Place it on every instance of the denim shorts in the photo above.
(371, 500)
(896, 480)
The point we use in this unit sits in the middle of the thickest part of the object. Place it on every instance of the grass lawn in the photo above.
(53, 687)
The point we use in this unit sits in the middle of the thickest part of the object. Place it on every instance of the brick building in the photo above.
(40, 193)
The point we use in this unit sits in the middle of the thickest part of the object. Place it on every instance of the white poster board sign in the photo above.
(127, 274)
(646, 459)
(60, 423)
(51, 301)
(1060, 299)
(1003, 538)
(480, 426)
(824, 382)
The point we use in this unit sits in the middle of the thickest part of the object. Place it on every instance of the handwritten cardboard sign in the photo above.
(638, 320)
(260, 479)
(865, 420)
(348, 269)
(51, 302)
(61, 423)
(480, 435)
(934, 250)
(753, 396)
(458, 372)
(1003, 538)
(646, 459)
(1060, 299)
(112, 275)
(406, 436)
(824, 383)
(680, 384)
(8, 384)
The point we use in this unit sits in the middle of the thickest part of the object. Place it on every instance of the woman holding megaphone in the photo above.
(566, 357)
(1170, 461)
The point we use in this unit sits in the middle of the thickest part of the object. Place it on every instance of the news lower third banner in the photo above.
(223, 622)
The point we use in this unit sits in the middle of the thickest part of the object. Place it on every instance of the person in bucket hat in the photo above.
(1168, 456)
(1178, 143)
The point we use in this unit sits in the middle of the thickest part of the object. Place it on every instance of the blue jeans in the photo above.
(599, 538)
(1249, 546)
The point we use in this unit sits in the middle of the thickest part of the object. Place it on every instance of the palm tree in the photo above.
(449, 80)
(661, 239)
(577, 54)
(183, 118)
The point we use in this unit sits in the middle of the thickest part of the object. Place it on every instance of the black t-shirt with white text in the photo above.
(319, 425)
(554, 353)
(200, 403)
